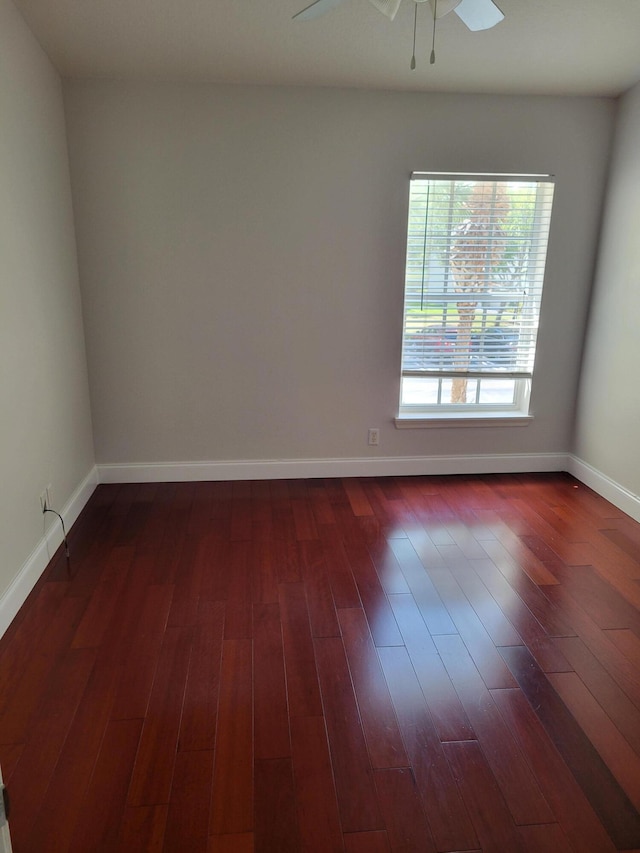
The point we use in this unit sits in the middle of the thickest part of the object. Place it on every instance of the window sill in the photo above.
(463, 419)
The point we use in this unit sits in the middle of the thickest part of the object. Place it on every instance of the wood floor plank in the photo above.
(341, 580)
(434, 612)
(284, 529)
(60, 806)
(107, 792)
(379, 723)
(143, 828)
(570, 806)
(303, 690)
(237, 623)
(550, 616)
(545, 516)
(509, 547)
(625, 536)
(49, 726)
(153, 770)
(190, 802)
(86, 563)
(27, 629)
(303, 520)
(271, 713)
(501, 631)
(264, 577)
(303, 665)
(600, 643)
(604, 604)
(208, 578)
(628, 642)
(232, 798)
(145, 635)
(317, 804)
(378, 500)
(276, 821)
(546, 542)
(468, 533)
(322, 610)
(357, 800)
(374, 600)
(544, 838)
(37, 672)
(602, 790)
(9, 756)
(423, 544)
(320, 503)
(187, 585)
(99, 611)
(367, 842)
(407, 825)
(612, 562)
(172, 545)
(441, 800)
(598, 727)
(198, 723)
(604, 688)
(485, 804)
(507, 761)
(287, 559)
(470, 628)
(434, 514)
(449, 717)
(537, 640)
(388, 521)
(234, 843)
(389, 572)
(357, 497)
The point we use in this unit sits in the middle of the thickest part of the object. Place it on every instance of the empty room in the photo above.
(320, 527)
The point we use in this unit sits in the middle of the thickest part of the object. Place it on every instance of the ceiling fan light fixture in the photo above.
(387, 7)
(476, 14)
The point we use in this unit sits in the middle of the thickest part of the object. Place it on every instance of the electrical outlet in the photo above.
(44, 500)
(374, 437)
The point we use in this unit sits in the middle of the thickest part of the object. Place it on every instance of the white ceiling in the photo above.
(581, 47)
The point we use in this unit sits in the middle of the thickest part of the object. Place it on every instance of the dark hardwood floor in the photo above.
(361, 665)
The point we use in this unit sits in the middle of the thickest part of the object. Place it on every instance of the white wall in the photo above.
(45, 424)
(608, 413)
(241, 254)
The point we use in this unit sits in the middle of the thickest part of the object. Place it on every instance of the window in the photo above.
(476, 249)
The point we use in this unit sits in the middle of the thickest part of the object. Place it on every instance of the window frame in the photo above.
(476, 413)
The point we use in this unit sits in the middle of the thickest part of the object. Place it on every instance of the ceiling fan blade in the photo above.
(317, 8)
(443, 7)
(387, 7)
(479, 14)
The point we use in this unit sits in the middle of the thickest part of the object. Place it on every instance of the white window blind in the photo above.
(476, 251)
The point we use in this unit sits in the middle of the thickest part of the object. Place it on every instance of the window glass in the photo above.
(476, 249)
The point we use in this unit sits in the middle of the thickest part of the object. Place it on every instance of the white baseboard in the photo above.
(609, 489)
(25, 580)
(278, 469)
